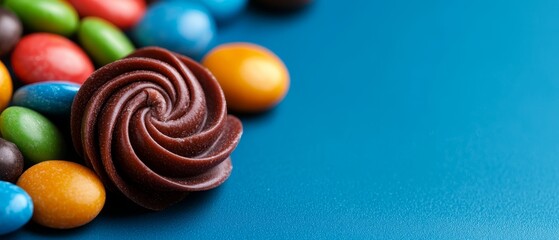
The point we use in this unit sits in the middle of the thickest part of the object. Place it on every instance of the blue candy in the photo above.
(222, 10)
(180, 26)
(16, 207)
(53, 97)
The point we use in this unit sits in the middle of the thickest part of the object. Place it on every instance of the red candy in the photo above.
(43, 56)
(122, 13)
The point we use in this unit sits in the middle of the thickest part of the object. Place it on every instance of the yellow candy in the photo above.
(253, 78)
(65, 194)
(5, 87)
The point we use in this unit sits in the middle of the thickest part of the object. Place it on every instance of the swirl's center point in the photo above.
(156, 102)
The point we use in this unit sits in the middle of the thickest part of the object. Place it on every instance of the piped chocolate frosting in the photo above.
(154, 126)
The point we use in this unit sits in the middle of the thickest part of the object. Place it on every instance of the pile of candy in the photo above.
(50, 44)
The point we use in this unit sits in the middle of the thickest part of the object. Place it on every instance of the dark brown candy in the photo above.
(11, 161)
(10, 30)
(154, 126)
(282, 5)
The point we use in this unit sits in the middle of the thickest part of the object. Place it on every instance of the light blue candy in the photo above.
(180, 26)
(222, 10)
(16, 207)
(53, 97)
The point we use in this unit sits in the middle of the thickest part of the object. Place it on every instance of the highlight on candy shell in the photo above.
(253, 78)
(52, 16)
(65, 194)
(11, 161)
(37, 137)
(6, 87)
(16, 208)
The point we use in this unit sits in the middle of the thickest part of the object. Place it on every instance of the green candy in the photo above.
(54, 16)
(36, 136)
(104, 42)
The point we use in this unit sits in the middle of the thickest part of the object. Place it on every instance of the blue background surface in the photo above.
(432, 119)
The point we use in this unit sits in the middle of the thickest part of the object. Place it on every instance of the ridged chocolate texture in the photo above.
(154, 126)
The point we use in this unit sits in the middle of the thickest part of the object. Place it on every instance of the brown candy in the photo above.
(11, 161)
(154, 126)
(11, 30)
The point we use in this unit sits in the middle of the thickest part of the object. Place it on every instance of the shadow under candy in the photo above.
(43, 232)
(263, 9)
(255, 118)
(118, 207)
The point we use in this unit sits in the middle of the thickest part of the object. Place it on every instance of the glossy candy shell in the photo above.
(122, 13)
(42, 57)
(253, 78)
(16, 207)
(66, 194)
(11, 161)
(183, 27)
(222, 10)
(37, 138)
(6, 87)
(103, 41)
(47, 97)
(11, 30)
(54, 16)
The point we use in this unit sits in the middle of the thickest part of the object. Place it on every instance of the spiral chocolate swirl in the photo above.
(154, 126)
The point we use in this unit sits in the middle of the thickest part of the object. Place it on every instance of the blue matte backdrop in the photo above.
(432, 119)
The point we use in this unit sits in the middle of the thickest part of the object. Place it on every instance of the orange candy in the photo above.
(65, 194)
(252, 77)
(5, 87)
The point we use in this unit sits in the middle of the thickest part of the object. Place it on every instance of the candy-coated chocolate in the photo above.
(52, 16)
(37, 138)
(11, 30)
(122, 13)
(11, 161)
(282, 5)
(155, 126)
(6, 87)
(16, 207)
(65, 194)
(43, 57)
(222, 10)
(103, 41)
(52, 97)
(180, 26)
(252, 77)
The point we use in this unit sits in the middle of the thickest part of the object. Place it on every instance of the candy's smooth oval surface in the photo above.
(11, 161)
(179, 26)
(65, 194)
(16, 207)
(43, 57)
(253, 78)
(11, 30)
(6, 87)
(122, 13)
(37, 138)
(52, 97)
(103, 41)
(222, 10)
(53, 16)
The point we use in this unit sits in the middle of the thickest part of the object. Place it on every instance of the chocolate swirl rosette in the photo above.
(154, 126)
